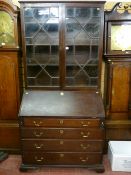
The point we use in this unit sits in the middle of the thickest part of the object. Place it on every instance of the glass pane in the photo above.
(120, 38)
(82, 43)
(31, 29)
(28, 15)
(42, 46)
(6, 29)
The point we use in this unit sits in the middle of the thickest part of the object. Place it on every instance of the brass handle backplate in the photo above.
(37, 124)
(85, 124)
(85, 146)
(38, 134)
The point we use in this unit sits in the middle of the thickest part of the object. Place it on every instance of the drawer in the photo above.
(61, 158)
(66, 133)
(62, 145)
(60, 122)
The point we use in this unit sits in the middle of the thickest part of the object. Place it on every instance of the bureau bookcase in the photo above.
(62, 114)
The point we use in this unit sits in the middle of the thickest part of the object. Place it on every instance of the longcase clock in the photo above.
(9, 76)
(118, 72)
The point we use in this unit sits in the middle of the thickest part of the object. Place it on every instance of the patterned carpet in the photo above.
(11, 166)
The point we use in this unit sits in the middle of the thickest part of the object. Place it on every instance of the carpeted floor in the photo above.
(11, 166)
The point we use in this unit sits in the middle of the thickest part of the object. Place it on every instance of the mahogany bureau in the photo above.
(62, 129)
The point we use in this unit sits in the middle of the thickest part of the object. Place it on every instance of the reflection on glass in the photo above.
(78, 12)
(40, 14)
(42, 25)
(31, 29)
(120, 37)
(6, 29)
(82, 41)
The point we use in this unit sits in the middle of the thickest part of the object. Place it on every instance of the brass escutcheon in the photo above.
(85, 146)
(61, 131)
(61, 142)
(61, 122)
(61, 155)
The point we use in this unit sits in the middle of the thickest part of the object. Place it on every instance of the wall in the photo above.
(16, 2)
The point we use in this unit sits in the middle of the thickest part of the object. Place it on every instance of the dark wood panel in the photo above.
(9, 136)
(85, 104)
(118, 133)
(9, 92)
(120, 87)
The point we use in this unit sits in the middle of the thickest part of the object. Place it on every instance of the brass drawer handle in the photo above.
(84, 159)
(85, 124)
(38, 134)
(85, 146)
(37, 124)
(39, 160)
(38, 146)
(85, 135)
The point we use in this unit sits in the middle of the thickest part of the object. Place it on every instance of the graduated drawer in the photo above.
(66, 133)
(61, 158)
(62, 145)
(60, 122)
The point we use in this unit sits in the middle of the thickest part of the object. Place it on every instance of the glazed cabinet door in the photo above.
(41, 26)
(82, 41)
(119, 89)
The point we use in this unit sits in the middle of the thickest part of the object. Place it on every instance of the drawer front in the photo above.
(66, 133)
(61, 158)
(62, 145)
(60, 122)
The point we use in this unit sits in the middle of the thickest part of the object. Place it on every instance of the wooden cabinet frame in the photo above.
(62, 5)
